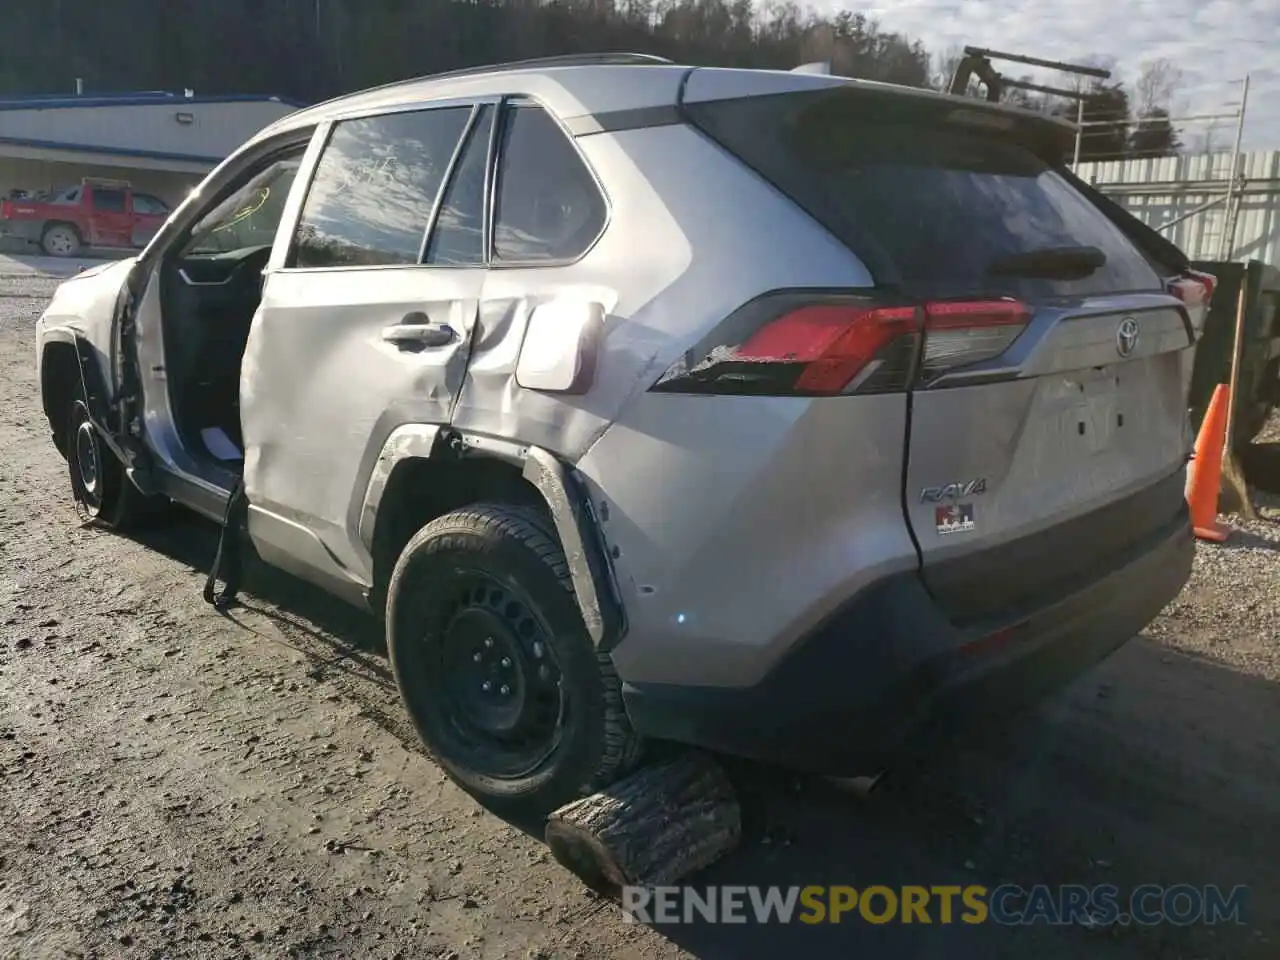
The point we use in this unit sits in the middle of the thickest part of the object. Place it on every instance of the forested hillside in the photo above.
(313, 49)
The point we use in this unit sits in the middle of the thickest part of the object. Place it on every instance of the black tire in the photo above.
(98, 481)
(481, 596)
(61, 240)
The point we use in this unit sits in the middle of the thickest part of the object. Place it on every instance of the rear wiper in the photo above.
(1051, 263)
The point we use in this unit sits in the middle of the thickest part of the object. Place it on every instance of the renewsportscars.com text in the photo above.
(1008, 905)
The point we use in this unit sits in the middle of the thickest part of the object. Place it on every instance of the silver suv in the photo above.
(775, 413)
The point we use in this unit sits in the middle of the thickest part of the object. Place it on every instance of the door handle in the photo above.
(416, 331)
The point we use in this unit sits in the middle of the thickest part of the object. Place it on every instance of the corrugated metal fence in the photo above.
(1163, 189)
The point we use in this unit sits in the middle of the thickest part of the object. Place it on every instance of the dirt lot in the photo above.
(179, 784)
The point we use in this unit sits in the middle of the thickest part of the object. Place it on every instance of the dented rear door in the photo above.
(361, 330)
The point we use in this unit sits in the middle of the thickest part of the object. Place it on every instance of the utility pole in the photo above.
(1075, 160)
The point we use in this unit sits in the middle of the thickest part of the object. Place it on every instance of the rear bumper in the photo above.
(890, 666)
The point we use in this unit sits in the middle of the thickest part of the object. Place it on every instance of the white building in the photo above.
(162, 143)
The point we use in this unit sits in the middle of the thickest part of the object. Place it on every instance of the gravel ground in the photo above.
(178, 784)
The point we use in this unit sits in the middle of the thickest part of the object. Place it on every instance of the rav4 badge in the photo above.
(954, 491)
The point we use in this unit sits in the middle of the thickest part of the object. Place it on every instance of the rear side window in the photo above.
(942, 209)
(549, 205)
(108, 201)
(374, 189)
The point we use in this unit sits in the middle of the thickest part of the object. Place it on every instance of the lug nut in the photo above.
(486, 686)
(476, 656)
(537, 650)
(506, 661)
(488, 641)
(504, 690)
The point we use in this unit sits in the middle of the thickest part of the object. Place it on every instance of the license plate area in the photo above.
(1091, 410)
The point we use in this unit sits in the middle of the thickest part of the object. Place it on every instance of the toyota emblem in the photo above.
(1127, 336)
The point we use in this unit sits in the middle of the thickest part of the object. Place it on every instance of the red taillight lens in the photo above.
(796, 344)
(833, 343)
(792, 345)
(6, 209)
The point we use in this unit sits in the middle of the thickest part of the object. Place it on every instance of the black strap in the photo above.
(227, 561)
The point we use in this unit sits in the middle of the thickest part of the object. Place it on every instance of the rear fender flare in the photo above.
(567, 501)
(584, 547)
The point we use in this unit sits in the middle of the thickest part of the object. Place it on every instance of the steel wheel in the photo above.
(102, 491)
(88, 463)
(95, 474)
(495, 665)
(496, 679)
(60, 241)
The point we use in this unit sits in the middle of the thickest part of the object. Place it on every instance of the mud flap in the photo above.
(228, 561)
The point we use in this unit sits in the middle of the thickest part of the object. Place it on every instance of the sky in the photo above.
(1213, 42)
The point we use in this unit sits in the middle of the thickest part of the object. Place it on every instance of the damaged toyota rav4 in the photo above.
(777, 414)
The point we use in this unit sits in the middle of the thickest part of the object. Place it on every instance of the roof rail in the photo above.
(567, 60)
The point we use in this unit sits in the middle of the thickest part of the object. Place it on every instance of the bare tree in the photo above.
(1153, 133)
(1158, 84)
(944, 67)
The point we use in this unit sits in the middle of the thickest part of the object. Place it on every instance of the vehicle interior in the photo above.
(211, 286)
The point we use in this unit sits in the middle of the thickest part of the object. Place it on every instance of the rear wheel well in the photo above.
(59, 381)
(420, 489)
(50, 224)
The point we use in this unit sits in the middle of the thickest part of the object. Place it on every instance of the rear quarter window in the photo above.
(931, 206)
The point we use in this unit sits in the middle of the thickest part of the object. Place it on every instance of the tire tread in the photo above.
(534, 530)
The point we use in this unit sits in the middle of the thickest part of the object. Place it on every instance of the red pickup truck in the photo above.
(94, 213)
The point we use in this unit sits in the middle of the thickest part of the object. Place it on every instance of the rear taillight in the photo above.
(795, 344)
(1193, 288)
(6, 209)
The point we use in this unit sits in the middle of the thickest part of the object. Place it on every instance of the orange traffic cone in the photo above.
(1205, 480)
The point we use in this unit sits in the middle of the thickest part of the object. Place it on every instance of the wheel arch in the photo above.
(69, 224)
(426, 471)
(67, 363)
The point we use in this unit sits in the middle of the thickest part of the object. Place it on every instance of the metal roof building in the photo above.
(161, 142)
(1186, 198)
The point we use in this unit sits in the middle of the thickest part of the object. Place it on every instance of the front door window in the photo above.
(249, 217)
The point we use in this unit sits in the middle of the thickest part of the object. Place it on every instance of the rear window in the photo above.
(932, 205)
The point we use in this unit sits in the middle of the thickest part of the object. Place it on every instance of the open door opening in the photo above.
(210, 289)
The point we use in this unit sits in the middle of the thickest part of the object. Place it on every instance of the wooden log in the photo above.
(651, 828)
